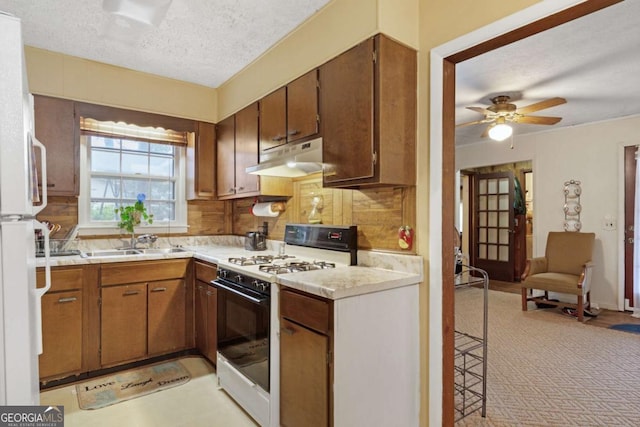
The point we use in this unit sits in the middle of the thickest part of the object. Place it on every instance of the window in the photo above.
(122, 161)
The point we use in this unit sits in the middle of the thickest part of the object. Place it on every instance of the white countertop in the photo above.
(340, 282)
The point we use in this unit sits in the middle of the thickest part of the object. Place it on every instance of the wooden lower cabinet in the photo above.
(304, 376)
(166, 316)
(61, 333)
(123, 328)
(143, 318)
(305, 348)
(206, 310)
(63, 324)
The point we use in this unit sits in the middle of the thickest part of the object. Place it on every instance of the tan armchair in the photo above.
(565, 268)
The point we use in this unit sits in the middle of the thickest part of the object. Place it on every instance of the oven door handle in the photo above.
(237, 292)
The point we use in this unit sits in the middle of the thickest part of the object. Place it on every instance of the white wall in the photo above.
(589, 154)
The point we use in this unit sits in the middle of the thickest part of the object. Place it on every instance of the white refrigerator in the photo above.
(20, 307)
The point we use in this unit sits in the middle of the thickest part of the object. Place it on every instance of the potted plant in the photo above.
(133, 215)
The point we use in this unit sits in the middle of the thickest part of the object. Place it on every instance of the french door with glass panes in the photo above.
(493, 225)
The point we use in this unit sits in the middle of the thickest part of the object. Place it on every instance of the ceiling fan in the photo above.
(503, 112)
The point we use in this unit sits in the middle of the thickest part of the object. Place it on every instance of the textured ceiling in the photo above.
(199, 41)
(592, 62)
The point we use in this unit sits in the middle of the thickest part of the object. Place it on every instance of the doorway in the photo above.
(442, 161)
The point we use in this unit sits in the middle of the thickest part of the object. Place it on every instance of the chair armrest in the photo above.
(534, 266)
(585, 277)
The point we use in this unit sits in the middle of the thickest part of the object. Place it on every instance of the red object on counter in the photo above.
(405, 237)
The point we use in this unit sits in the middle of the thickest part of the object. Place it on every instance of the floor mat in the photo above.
(129, 384)
(626, 327)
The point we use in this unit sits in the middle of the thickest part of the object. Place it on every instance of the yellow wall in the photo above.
(63, 76)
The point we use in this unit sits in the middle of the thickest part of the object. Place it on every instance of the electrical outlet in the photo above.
(609, 223)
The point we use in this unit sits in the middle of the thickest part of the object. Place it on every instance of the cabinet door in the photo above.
(61, 333)
(304, 376)
(201, 159)
(123, 323)
(273, 116)
(347, 111)
(55, 127)
(302, 107)
(246, 149)
(166, 316)
(225, 157)
(200, 314)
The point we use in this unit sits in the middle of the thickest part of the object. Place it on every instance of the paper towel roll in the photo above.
(267, 209)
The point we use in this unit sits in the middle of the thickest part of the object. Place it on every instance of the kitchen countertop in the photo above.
(341, 282)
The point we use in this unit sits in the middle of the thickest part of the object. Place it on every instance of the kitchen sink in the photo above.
(111, 252)
(161, 250)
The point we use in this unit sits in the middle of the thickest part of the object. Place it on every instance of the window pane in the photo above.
(132, 187)
(105, 161)
(482, 203)
(504, 186)
(162, 211)
(162, 190)
(493, 186)
(493, 203)
(135, 146)
(99, 141)
(103, 211)
(161, 149)
(161, 166)
(504, 253)
(105, 187)
(135, 164)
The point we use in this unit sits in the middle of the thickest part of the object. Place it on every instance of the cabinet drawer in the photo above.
(144, 271)
(307, 310)
(62, 279)
(205, 272)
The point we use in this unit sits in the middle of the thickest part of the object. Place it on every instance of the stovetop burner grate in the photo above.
(257, 259)
(296, 266)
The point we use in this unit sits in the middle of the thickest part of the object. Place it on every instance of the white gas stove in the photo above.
(246, 316)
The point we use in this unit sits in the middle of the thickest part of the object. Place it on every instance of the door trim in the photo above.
(536, 18)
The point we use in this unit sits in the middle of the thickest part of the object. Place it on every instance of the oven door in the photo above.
(243, 330)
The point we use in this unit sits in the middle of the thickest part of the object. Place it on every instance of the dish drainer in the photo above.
(471, 352)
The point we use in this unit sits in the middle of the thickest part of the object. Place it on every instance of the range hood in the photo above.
(290, 160)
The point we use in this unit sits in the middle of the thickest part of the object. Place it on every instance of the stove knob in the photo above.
(223, 273)
(256, 284)
(262, 286)
(239, 278)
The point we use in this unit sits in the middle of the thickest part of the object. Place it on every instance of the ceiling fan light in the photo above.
(500, 132)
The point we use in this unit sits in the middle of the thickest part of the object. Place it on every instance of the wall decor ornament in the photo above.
(572, 207)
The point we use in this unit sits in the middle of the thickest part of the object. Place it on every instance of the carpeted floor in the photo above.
(546, 369)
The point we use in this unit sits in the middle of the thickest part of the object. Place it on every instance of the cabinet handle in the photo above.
(158, 289)
(50, 185)
(278, 138)
(288, 331)
(129, 293)
(232, 190)
(68, 299)
(240, 188)
(293, 132)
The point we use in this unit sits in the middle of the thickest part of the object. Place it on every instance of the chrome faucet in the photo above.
(144, 239)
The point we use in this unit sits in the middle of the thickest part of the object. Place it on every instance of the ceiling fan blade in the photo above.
(477, 122)
(485, 134)
(480, 110)
(538, 120)
(547, 103)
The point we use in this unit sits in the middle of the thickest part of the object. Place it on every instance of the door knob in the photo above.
(630, 240)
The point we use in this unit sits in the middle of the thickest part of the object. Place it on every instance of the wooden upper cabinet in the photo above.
(238, 140)
(247, 150)
(368, 111)
(57, 127)
(302, 107)
(273, 119)
(201, 161)
(225, 154)
(290, 114)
